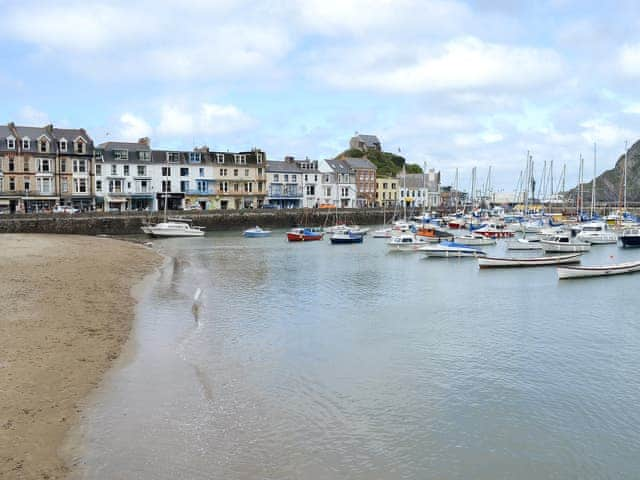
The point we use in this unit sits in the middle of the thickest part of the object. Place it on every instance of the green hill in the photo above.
(388, 164)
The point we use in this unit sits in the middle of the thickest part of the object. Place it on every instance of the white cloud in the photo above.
(629, 59)
(32, 116)
(462, 63)
(133, 127)
(605, 133)
(206, 119)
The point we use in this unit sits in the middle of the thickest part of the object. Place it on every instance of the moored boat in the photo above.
(346, 237)
(597, 270)
(494, 230)
(173, 229)
(497, 262)
(383, 233)
(256, 232)
(630, 237)
(473, 239)
(596, 233)
(406, 242)
(303, 235)
(450, 249)
(524, 244)
(562, 243)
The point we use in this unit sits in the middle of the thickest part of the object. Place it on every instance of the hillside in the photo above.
(609, 183)
(388, 164)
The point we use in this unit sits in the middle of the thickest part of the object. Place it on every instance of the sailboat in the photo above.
(172, 227)
(339, 228)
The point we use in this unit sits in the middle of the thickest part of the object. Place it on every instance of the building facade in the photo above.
(41, 167)
(387, 192)
(365, 143)
(285, 184)
(420, 189)
(338, 184)
(364, 172)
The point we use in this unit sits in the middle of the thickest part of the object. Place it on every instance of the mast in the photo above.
(424, 190)
(166, 191)
(593, 183)
(404, 188)
(526, 184)
(473, 188)
(455, 186)
(581, 188)
(626, 153)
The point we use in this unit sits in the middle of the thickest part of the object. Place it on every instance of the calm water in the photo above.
(313, 361)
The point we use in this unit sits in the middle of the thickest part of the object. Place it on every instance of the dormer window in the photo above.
(26, 143)
(63, 145)
(43, 145)
(259, 157)
(220, 157)
(173, 157)
(80, 146)
(11, 143)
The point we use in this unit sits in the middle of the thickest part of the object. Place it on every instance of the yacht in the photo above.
(173, 228)
(596, 233)
(630, 237)
(407, 242)
(563, 243)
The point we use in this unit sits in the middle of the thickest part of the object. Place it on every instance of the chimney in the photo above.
(289, 159)
(145, 141)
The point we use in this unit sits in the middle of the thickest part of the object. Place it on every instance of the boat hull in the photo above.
(341, 240)
(474, 240)
(262, 234)
(565, 273)
(494, 262)
(301, 237)
(166, 233)
(562, 247)
(630, 241)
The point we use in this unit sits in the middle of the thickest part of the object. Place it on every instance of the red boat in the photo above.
(493, 230)
(303, 235)
(456, 224)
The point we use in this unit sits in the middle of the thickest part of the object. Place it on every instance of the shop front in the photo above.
(82, 203)
(175, 201)
(39, 204)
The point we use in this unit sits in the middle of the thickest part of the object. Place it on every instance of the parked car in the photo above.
(65, 209)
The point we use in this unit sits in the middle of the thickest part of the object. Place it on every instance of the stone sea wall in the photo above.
(98, 223)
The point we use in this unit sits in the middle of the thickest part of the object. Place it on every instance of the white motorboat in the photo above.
(383, 233)
(406, 242)
(630, 237)
(474, 239)
(597, 270)
(355, 229)
(174, 229)
(451, 249)
(596, 233)
(256, 232)
(524, 244)
(562, 243)
(496, 262)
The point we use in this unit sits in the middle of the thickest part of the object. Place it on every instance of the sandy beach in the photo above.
(65, 311)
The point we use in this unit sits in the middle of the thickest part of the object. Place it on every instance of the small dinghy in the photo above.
(451, 249)
(597, 270)
(496, 262)
(524, 244)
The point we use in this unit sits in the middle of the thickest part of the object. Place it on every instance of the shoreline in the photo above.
(69, 308)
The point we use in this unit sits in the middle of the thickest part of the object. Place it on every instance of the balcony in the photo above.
(291, 192)
(200, 192)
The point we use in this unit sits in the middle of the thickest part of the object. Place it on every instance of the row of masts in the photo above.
(529, 190)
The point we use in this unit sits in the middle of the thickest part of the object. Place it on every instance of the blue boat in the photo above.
(256, 232)
(346, 237)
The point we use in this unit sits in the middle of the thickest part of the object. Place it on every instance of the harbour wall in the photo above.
(99, 223)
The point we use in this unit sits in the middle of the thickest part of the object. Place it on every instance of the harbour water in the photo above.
(318, 362)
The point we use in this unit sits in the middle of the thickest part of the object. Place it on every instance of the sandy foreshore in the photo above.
(65, 311)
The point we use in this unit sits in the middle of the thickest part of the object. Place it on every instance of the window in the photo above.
(259, 157)
(184, 172)
(26, 164)
(248, 187)
(79, 166)
(144, 156)
(126, 170)
(166, 171)
(236, 188)
(12, 165)
(201, 172)
(259, 186)
(315, 178)
(286, 178)
(311, 189)
(220, 157)
(11, 143)
(236, 158)
(44, 145)
(223, 172)
(143, 186)
(166, 185)
(142, 171)
(173, 157)
(224, 187)
(121, 155)
(345, 191)
(235, 172)
(12, 183)
(294, 178)
(43, 185)
(276, 177)
(98, 170)
(65, 185)
(260, 172)
(63, 165)
(202, 186)
(80, 146)
(115, 186)
(306, 177)
(246, 172)
(98, 185)
(114, 169)
(195, 157)
(43, 165)
(80, 185)
(62, 145)
(327, 191)
(184, 186)
(27, 184)
(26, 143)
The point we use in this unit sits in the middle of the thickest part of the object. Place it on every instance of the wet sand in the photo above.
(66, 309)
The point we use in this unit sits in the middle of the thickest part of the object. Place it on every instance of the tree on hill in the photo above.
(388, 164)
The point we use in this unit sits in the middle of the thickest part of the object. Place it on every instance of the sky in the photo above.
(449, 84)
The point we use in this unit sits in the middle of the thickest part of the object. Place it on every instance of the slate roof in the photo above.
(359, 163)
(135, 146)
(283, 167)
